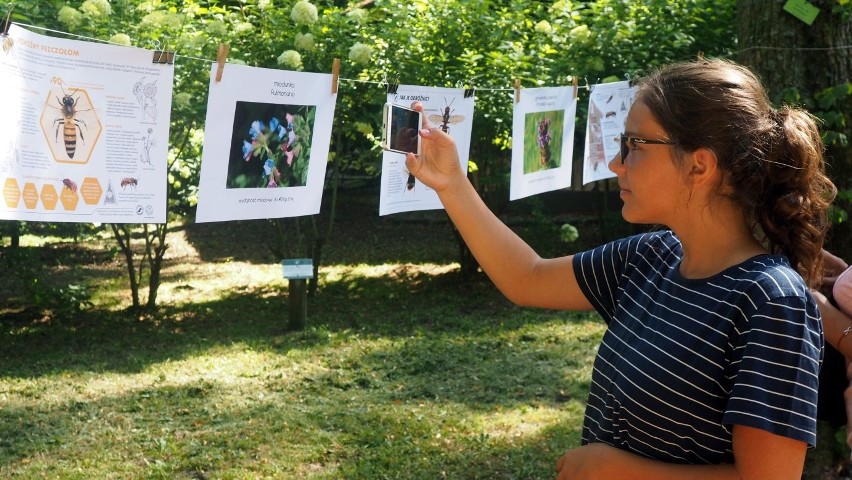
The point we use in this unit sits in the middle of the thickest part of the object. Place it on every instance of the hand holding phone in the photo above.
(400, 129)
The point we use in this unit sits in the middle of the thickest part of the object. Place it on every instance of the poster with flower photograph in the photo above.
(608, 107)
(542, 141)
(266, 144)
(449, 109)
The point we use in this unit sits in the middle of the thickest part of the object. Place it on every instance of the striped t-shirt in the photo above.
(683, 360)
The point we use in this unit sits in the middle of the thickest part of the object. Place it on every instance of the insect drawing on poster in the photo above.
(270, 145)
(446, 117)
(129, 182)
(69, 121)
(69, 184)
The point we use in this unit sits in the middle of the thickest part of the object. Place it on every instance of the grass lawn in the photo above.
(405, 370)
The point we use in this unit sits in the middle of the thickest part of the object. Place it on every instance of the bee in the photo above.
(69, 123)
(446, 118)
(129, 182)
(69, 184)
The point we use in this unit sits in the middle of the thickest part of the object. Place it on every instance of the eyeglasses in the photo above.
(625, 149)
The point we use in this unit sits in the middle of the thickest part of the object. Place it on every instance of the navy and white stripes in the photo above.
(684, 360)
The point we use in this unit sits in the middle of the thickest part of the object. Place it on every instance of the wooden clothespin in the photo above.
(8, 20)
(576, 83)
(335, 75)
(517, 90)
(221, 57)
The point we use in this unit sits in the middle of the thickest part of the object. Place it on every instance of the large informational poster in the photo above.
(609, 104)
(266, 144)
(84, 131)
(449, 109)
(542, 140)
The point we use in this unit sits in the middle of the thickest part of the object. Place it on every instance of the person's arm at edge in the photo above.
(834, 325)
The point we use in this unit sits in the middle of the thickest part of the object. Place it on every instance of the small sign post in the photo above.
(297, 271)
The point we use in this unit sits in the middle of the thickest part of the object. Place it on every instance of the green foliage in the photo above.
(568, 233)
(482, 44)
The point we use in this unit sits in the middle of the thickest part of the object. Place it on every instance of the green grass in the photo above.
(405, 370)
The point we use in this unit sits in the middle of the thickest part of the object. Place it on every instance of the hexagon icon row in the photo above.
(90, 190)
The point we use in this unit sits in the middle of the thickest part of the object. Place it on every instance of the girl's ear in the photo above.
(704, 167)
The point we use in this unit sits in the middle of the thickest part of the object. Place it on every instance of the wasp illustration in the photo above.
(69, 123)
(129, 182)
(69, 184)
(447, 118)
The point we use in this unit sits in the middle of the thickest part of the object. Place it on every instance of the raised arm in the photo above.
(514, 267)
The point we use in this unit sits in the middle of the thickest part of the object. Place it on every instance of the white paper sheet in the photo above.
(542, 140)
(266, 143)
(84, 131)
(609, 104)
(446, 108)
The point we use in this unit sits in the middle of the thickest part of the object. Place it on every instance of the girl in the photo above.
(709, 365)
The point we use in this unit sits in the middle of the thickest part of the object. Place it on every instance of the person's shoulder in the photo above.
(772, 275)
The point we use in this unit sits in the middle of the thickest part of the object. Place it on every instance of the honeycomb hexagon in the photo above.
(49, 197)
(91, 191)
(70, 125)
(30, 195)
(11, 192)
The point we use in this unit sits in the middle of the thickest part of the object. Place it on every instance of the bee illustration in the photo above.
(447, 118)
(69, 184)
(129, 182)
(69, 122)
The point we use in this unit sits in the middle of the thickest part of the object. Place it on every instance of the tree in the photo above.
(810, 65)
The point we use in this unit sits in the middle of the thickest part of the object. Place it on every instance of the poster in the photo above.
(542, 140)
(609, 104)
(266, 142)
(446, 108)
(84, 131)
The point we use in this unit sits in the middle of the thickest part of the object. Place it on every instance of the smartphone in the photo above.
(401, 129)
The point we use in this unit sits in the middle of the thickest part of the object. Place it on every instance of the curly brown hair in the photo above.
(771, 159)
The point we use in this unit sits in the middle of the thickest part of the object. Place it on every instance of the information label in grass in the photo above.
(298, 268)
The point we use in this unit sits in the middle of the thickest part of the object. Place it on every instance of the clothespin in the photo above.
(468, 92)
(8, 19)
(576, 83)
(517, 90)
(335, 75)
(163, 56)
(393, 87)
(221, 57)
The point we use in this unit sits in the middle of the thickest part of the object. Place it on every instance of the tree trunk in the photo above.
(790, 54)
(786, 52)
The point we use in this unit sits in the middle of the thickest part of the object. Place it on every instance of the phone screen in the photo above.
(403, 130)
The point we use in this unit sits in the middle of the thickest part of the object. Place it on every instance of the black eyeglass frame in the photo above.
(625, 150)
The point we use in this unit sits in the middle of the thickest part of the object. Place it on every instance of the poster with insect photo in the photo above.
(451, 110)
(542, 140)
(84, 131)
(608, 107)
(266, 144)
